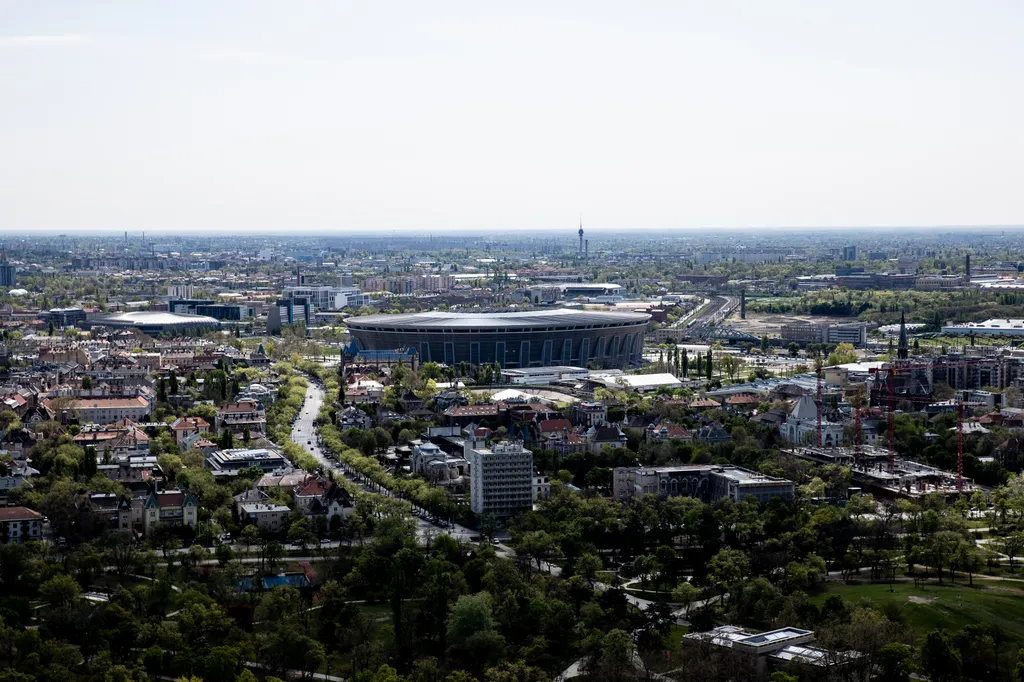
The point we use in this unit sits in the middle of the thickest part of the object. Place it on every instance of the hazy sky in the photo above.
(306, 115)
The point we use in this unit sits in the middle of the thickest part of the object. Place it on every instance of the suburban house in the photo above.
(243, 415)
(186, 429)
(173, 507)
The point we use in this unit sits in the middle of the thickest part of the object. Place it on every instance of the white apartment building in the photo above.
(501, 478)
(181, 290)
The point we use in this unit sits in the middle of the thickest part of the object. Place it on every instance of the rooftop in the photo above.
(440, 320)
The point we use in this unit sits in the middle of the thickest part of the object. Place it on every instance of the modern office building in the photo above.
(327, 297)
(62, 318)
(289, 311)
(536, 338)
(849, 253)
(8, 271)
(501, 478)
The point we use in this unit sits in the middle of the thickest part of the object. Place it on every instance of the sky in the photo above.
(308, 115)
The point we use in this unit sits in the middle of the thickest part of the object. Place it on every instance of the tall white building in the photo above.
(501, 478)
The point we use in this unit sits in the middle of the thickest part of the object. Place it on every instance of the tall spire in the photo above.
(902, 351)
(581, 236)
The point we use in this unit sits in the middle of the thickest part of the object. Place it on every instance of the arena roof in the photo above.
(439, 320)
(150, 318)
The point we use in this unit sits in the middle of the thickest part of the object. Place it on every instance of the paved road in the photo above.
(304, 433)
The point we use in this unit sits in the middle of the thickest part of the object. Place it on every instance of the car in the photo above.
(495, 541)
(309, 442)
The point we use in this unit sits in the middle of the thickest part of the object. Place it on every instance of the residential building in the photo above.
(20, 524)
(240, 416)
(501, 478)
(266, 516)
(353, 417)
(109, 511)
(541, 487)
(106, 410)
(170, 507)
(590, 413)
(604, 436)
(186, 429)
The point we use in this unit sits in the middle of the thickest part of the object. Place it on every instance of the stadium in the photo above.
(154, 322)
(513, 340)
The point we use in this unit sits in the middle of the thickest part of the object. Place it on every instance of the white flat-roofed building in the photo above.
(991, 327)
(541, 376)
(501, 478)
(230, 462)
(641, 383)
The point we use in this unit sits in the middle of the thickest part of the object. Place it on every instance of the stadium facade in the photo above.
(536, 338)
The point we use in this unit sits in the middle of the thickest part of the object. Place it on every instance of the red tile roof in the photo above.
(19, 514)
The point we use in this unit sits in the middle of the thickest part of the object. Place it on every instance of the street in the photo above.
(304, 433)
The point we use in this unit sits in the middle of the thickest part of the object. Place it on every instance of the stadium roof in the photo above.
(439, 321)
(156, 317)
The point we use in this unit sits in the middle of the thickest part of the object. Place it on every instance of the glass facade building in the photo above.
(512, 340)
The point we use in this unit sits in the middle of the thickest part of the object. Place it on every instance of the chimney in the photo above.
(743, 304)
(586, 250)
(967, 267)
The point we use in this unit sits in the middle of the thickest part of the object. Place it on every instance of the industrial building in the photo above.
(512, 340)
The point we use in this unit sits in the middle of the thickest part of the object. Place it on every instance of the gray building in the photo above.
(501, 478)
(703, 481)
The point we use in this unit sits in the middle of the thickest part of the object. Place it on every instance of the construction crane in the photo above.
(907, 367)
(818, 364)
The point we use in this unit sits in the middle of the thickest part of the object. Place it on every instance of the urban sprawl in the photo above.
(732, 456)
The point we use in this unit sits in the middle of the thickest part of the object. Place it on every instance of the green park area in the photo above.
(949, 607)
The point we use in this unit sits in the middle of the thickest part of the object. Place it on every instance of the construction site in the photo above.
(905, 382)
(873, 472)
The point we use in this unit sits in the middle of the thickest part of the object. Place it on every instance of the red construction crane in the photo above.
(817, 366)
(899, 367)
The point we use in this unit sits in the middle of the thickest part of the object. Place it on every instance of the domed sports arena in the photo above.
(154, 322)
(534, 338)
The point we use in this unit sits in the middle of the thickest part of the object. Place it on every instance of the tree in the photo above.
(300, 533)
(611, 659)
(727, 567)
(644, 566)
(895, 663)
(843, 354)
(60, 591)
(939, 659)
(707, 365)
(794, 349)
(227, 440)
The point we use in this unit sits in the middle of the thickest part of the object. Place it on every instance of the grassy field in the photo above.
(931, 607)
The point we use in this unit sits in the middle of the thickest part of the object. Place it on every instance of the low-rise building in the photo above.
(20, 524)
(239, 417)
(266, 516)
(106, 410)
(169, 507)
(229, 462)
(188, 428)
(704, 481)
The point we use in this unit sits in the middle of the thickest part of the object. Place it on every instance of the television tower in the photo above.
(581, 237)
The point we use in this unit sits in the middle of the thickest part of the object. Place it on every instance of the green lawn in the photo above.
(931, 607)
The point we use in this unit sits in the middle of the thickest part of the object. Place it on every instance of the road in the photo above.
(304, 432)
